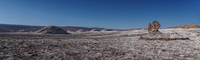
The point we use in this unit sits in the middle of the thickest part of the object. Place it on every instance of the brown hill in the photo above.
(187, 26)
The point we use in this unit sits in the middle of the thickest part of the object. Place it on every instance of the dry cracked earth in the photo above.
(108, 45)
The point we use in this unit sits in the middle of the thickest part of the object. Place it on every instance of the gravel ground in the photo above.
(117, 45)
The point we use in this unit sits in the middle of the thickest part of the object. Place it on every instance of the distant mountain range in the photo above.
(28, 28)
(187, 26)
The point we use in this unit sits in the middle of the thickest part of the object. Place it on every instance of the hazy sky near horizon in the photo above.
(116, 14)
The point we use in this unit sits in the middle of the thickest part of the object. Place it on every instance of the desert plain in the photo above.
(100, 45)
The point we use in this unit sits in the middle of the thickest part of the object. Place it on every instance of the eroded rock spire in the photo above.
(150, 27)
(156, 25)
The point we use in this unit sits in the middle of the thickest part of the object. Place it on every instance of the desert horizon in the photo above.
(99, 30)
(55, 43)
(9, 27)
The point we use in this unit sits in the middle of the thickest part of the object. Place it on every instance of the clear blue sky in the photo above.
(117, 14)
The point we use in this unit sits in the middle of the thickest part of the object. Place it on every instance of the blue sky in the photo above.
(116, 14)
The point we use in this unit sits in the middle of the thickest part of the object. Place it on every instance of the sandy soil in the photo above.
(107, 45)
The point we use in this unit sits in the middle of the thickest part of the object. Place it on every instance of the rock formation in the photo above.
(52, 30)
(155, 34)
(150, 27)
(156, 25)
